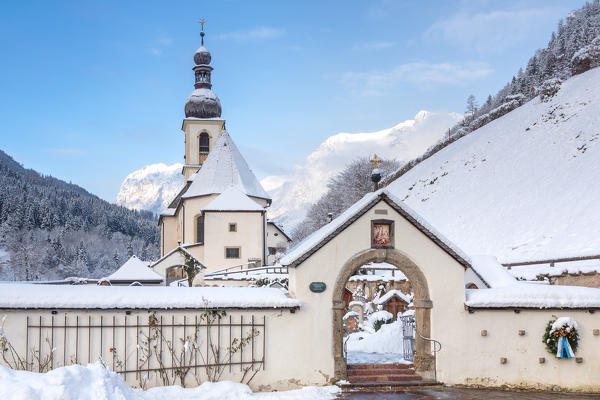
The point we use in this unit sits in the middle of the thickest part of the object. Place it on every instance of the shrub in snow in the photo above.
(379, 318)
(586, 58)
(480, 121)
(504, 108)
(549, 88)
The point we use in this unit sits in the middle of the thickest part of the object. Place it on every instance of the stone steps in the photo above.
(382, 374)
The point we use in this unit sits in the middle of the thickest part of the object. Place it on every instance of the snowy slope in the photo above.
(151, 188)
(293, 194)
(525, 186)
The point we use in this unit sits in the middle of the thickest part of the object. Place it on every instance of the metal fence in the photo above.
(408, 337)
(164, 344)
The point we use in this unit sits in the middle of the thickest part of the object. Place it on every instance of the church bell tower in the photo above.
(202, 124)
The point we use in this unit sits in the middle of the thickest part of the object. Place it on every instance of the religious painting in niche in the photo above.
(381, 234)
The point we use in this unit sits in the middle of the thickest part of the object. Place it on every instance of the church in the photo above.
(219, 216)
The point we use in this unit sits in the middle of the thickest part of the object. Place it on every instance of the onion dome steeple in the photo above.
(203, 102)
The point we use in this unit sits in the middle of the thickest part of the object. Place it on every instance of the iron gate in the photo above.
(408, 337)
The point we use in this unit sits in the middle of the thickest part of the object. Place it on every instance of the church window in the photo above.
(200, 229)
(204, 143)
(232, 252)
(232, 227)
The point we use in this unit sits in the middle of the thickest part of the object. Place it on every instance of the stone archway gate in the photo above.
(331, 255)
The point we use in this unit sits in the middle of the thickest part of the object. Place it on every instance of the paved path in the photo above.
(466, 394)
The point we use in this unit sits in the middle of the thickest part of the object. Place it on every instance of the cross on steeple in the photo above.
(202, 31)
(376, 161)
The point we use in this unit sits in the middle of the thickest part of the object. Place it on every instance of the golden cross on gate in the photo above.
(375, 160)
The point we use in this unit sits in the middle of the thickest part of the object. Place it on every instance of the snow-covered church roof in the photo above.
(134, 269)
(322, 236)
(225, 167)
(232, 199)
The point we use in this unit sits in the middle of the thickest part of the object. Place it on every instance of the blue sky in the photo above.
(91, 91)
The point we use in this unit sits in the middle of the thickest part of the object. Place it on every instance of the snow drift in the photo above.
(96, 382)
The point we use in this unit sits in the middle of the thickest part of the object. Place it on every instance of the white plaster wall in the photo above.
(248, 237)
(471, 359)
(281, 370)
(275, 239)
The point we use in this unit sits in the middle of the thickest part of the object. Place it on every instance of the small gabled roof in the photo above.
(407, 298)
(134, 269)
(280, 229)
(232, 199)
(321, 237)
(224, 167)
(181, 249)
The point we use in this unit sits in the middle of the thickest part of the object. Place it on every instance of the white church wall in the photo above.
(190, 210)
(249, 231)
(275, 239)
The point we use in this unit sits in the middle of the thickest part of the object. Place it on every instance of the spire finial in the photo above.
(202, 31)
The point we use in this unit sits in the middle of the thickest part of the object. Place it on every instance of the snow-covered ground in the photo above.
(382, 347)
(151, 188)
(523, 187)
(95, 382)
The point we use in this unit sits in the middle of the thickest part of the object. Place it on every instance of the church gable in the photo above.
(225, 167)
(382, 235)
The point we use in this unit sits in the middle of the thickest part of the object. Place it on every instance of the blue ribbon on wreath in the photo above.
(564, 349)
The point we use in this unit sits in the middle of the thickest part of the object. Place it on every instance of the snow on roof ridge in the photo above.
(233, 199)
(493, 273)
(141, 297)
(529, 295)
(134, 269)
(311, 241)
(224, 167)
(395, 292)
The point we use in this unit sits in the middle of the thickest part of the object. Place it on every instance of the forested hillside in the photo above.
(52, 229)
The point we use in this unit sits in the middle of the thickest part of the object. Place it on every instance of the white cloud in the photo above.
(486, 32)
(417, 73)
(258, 33)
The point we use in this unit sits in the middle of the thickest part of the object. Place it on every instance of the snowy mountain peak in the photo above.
(151, 187)
(294, 193)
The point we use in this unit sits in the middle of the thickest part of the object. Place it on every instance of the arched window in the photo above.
(204, 142)
(200, 229)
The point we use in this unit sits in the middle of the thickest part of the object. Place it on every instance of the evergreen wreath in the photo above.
(568, 329)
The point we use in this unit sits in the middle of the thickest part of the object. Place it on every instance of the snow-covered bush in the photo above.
(549, 88)
(379, 318)
(586, 58)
